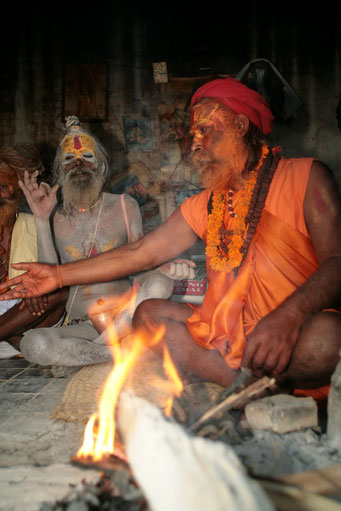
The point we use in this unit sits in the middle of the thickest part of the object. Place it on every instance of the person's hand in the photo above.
(179, 269)
(36, 306)
(41, 198)
(270, 345)
(38, 280)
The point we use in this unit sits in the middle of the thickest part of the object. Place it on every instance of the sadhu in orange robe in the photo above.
(280, 258)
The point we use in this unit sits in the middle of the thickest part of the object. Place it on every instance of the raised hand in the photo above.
(38, 280)
(41, 198)
(179, 269)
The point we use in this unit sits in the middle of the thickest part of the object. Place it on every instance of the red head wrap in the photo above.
(239, 98)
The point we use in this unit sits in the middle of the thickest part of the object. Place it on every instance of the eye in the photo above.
(69, 157)
(3, 187)
(88, 156)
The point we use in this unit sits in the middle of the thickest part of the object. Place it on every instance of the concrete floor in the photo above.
(28, 395)
(36, 451)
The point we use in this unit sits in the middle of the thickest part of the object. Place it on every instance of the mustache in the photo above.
(200, 161)
(80, 170)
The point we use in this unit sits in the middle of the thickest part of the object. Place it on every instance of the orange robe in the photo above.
(280, 258)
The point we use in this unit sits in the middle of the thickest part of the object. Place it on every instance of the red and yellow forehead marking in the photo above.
(78, 144)
(208, 114)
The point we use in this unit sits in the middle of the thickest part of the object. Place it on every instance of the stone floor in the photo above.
(28, 395)
(22, 385)
(30, 441)
(36, 451)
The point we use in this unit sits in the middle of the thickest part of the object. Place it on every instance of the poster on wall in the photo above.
(85, 91)
(137, 127)
(160, 72)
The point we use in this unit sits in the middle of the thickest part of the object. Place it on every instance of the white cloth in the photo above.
(6, 305)
(6, 350)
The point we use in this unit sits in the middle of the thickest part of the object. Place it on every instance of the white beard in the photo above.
(81, 193)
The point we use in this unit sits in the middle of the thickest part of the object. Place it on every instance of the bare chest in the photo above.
(90, 233)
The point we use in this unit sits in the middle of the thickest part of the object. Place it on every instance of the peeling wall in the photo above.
(129, 38)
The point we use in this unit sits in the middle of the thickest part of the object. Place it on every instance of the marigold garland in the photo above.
(222, 258)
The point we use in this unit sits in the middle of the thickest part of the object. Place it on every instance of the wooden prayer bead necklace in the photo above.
(229, 203)
(227, 249)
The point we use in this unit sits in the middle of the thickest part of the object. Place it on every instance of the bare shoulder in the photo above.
(320, 172)
(115, 199)
(111, 198)
(322, 195)
(322, 210)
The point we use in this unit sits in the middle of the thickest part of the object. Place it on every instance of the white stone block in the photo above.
(282, 413)
(334, 407)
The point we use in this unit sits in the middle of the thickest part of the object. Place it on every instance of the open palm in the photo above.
(38, 280)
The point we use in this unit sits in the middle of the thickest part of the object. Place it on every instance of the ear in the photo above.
(241, 124)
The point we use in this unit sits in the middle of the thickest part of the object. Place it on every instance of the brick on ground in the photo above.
(282, 413)
(334, 407)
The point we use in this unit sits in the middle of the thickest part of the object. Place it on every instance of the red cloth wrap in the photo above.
(239, 98)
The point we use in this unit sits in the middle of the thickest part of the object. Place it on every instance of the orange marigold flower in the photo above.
(217, 259)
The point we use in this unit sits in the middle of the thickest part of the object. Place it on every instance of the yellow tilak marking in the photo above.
(88, 144)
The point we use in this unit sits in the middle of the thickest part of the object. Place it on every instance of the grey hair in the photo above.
(100, 152)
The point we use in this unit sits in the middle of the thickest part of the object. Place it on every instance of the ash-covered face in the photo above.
(78, 155)
(79, 175)
(218, 149)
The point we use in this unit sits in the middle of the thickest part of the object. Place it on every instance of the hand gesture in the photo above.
(179, 269)
(41, 198)
(38, 280)
(270, 345)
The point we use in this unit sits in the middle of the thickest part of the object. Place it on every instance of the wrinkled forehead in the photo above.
(78, 144)
(208, 112)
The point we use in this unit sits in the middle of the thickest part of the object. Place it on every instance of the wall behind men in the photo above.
(98, 61)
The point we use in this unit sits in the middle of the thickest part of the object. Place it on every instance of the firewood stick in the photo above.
(234, 399)
(244, 375)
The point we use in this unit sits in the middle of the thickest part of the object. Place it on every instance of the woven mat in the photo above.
(82, 395)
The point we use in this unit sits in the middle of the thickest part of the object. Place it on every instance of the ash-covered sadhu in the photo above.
(271, 228)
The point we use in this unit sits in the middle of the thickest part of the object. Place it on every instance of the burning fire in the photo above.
(99, 434)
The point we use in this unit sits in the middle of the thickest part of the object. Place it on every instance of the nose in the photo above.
(78, 162)
(196, 144)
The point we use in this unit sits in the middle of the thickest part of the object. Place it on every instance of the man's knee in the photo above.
(316, 353)
(324, 327)
(148, 311)
(159, 311)
(158, 286)
(35, 347)
(58, 298)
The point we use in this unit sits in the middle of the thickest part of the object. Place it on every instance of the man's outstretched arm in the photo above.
(169, 240)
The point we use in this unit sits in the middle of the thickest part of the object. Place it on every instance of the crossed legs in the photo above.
(313, 360)
(69, 346)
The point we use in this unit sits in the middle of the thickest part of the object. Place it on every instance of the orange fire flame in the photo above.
(99, 434)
